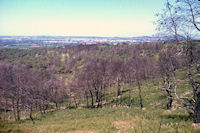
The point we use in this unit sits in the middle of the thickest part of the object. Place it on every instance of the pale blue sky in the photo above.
(79, 17)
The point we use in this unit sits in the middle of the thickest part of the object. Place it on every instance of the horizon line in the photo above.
(80, 36)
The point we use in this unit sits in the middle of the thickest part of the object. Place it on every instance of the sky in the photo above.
(124, 18)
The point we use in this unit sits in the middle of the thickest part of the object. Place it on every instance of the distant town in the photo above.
(59, 41)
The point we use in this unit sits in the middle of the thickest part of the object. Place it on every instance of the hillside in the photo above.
(99, 88)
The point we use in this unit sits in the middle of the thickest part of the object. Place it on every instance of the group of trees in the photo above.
(98, 74)
(181, 19)
(89, 73)
(34, 82)
(22, 89)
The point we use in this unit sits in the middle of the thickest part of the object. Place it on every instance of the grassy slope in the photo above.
(120, 119)
(107, 120)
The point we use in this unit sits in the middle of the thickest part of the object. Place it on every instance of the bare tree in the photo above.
(136, 73)
(185, 14)
(5, 87)
(169, 21)
(190, 9)
(192, 103)
(169, 62)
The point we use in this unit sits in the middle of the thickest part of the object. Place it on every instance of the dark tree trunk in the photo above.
(169, 105)
(97, 95)
(197, 110)
(45, 108)
(18, 115)
(170, 97)
(100, 97)
(118, 88)
(18, 110)
(30, 115)
(56, 105)
(196, 94)
(40, 109)
(92, 99)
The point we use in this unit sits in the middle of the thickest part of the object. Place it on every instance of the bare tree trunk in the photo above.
(75, 103)
(170, 97)
(175, 85)
(87, 101)
(175, 82)
(196, 93)
(97, 94)
(140, 95)
(45, 108)
(192, 82)
(30, 115)
(197, 110)
(14, 111)
(18, 110)
(129, 101)
(92, 101)
(18, 115)
(196, 97)
(193, 17)
(118, 88)
(40, 109)
(100, 97)
(56, 105)
(174, 24)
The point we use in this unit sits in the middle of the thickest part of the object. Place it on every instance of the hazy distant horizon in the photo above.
(102, 18)
(75, 36)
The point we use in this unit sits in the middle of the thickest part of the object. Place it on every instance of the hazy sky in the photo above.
(79, 17)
